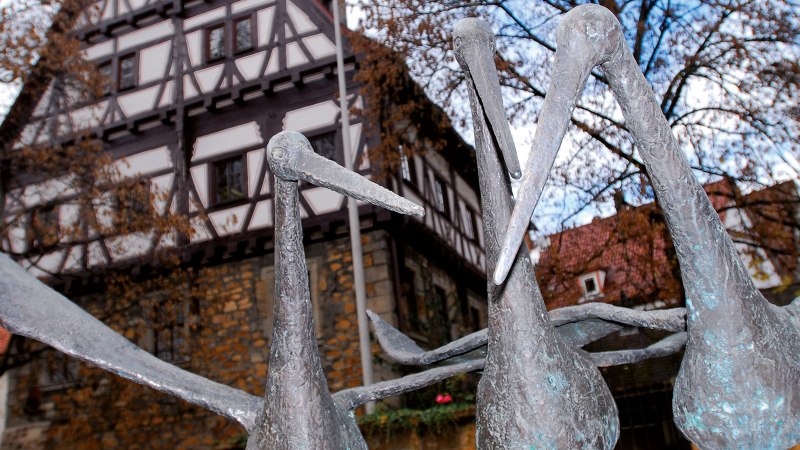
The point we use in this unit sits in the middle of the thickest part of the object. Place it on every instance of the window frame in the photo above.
(250, 18)
(37, 234)
(408, 166)
(470, 222)
(214, 200)
(53, 362)
(338, 157)
(597, 277)
(135, 82)
(110, 84)
(128, 216)
(441, 200)
(207, 42)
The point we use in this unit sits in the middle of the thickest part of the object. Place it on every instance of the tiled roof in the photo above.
(634, 251)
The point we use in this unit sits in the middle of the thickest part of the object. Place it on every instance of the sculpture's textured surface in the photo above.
(300, 412)
(536, 390)
(740, 377)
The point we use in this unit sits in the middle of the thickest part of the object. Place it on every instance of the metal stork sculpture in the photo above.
(298, 410)
(739, 382)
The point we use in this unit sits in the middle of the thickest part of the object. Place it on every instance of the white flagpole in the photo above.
(352, 213)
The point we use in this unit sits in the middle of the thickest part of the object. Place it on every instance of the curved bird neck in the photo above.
(511, 305)
(295, 369)
(713, 274)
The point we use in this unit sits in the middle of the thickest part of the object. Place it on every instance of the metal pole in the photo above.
(352, 214)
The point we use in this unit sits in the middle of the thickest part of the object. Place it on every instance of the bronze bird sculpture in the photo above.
(739, 382)
(536, 390)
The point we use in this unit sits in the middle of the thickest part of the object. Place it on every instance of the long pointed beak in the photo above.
(572, 72)
(474, 45)
(291, 157)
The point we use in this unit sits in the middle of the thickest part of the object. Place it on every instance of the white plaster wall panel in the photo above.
(91, 14)
(311, 117)
(169, 240)
(17, 235)
(200, 179)
(95, 255)
(129, 246)
(51, 262)
(244, 5)
(136, 4)
(466, 193)
(249, 66)
(89, 116)
(28, 134)
(323, 200)
(104, 212)
(68, 215)
(202, 19)
(199, 230)
(108, 10)
(189, 90)
(168, 96)
(74, 260)
(153, 62)
(100, 50)
(208, 78)
(226, 140)
(303, 213)
(149, 161)
(224, 83)
(295, 55)
(138, 101)
(272, 65)
(355, 139)
(265, 18)
(319, 46)
(152, 33)
(194, 45)
(254, 161)
(160, 188)
(47, 191)
(287, 31)
(33, 269)
(122, 7)
(44, 101)
(302, 23)
(262, 215)
(228, 221)
(364, 163)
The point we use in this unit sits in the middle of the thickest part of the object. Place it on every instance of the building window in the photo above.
(229, 180)
(106, 78)
(133, 203)
(215, 40)
(416, 311)
(243, 29)
(407, 169)
(127, 72)
(43, 229)
(59, 370)
(592, 284)
(470, 223)
(169, 328)
(325, 145)
(441, 202)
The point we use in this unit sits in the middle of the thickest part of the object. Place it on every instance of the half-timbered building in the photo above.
(193, 91)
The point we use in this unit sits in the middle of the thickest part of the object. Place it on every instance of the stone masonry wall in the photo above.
(228, 341)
